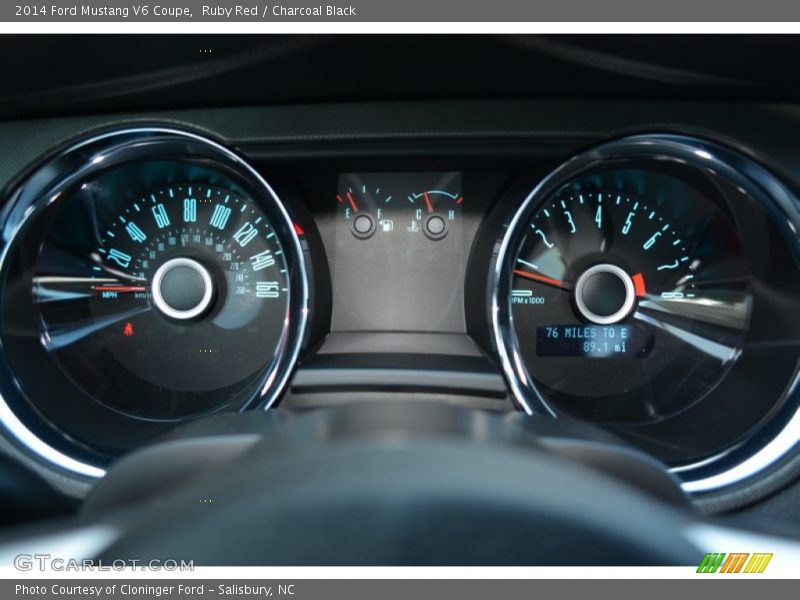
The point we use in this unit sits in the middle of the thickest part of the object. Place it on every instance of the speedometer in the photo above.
(183, 295)
(151, 276)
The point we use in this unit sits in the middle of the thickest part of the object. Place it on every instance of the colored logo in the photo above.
(741, 562)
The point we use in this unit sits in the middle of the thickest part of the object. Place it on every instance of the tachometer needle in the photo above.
(542, 279)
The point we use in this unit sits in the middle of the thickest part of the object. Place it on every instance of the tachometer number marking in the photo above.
(650, 242)
(626, 228)
(570, 222)
(541, 234)
(673, 265)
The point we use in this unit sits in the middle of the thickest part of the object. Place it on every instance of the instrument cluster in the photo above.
(151, 276)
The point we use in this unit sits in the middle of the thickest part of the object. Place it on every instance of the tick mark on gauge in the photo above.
(527, 264)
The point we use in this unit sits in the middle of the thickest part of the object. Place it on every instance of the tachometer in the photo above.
(620, 294)
(650, 285)
(626, 288)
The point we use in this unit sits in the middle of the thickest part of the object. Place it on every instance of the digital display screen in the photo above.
(593, 341)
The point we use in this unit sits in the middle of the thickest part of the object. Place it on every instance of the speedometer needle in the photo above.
(120, 288)
(542, 279)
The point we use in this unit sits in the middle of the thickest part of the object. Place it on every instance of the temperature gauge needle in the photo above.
(428, 203)
(542, 279)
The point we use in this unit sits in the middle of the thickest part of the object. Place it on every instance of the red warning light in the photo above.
(127, 331)
(298, 230)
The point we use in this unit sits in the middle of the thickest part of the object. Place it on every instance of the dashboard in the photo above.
(630, 265)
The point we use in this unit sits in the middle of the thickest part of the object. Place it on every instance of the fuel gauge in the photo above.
(364, 208)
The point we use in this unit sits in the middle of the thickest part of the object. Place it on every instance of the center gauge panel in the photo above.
(399, 248)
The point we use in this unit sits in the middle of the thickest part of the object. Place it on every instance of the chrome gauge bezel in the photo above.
(46, 183)
(777, 440)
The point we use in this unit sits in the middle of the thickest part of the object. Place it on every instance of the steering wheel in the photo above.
(400, 484)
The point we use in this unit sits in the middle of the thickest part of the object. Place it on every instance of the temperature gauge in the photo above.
(436, 210)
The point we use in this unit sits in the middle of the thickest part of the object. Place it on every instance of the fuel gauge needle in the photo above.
(350, 200)
(542, 279)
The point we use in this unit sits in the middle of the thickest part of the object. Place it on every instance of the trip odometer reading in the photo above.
(592, 341)
(629, 295)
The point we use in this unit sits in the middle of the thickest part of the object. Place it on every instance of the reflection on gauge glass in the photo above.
(630, 295)
(158, 288)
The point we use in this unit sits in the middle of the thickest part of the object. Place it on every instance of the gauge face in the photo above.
(436, 211)
(163, 281)
(184, 292)
(629, 297)
(364, 209)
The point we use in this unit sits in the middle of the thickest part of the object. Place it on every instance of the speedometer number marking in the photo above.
(220, 216)
(122, 259)
(160, 215)
(262, 260)
(245, 234)
(190, 210)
